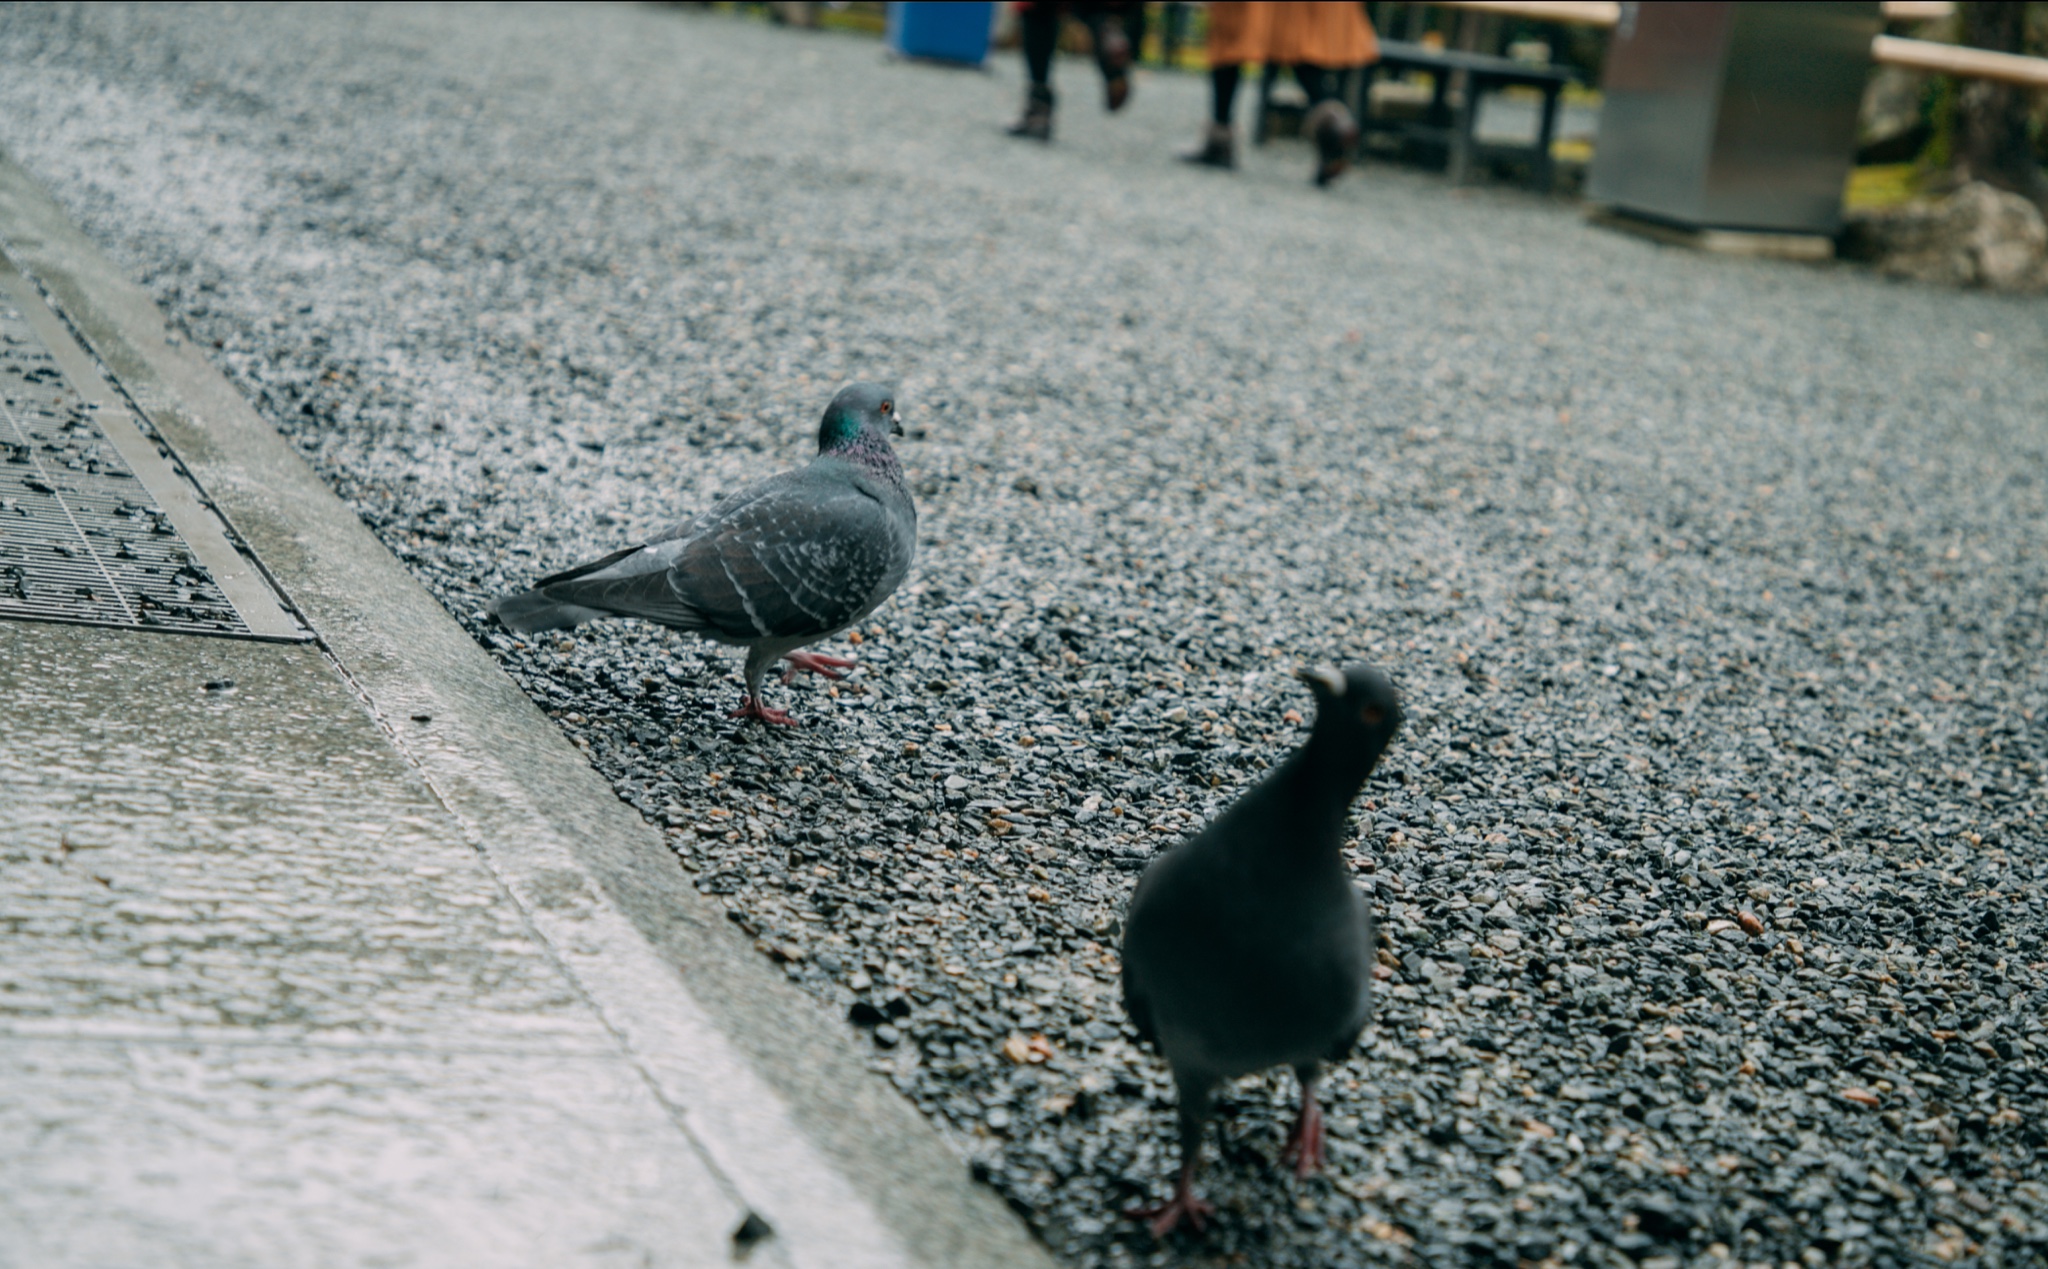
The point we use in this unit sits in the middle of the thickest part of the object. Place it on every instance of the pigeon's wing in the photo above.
(1153, 946)
(1363, 957)
(589, 567)
(799, 558)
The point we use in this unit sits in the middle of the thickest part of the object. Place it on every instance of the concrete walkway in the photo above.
(337, 953)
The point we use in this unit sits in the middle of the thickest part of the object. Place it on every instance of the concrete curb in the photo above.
(843, 1169)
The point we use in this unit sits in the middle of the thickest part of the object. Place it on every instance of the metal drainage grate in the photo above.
(97, 527)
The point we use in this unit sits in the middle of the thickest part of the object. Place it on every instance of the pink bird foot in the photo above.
(1304, 1146)
(816, 663)
(1167, 1216)
(1184, 1204)
(751, 707)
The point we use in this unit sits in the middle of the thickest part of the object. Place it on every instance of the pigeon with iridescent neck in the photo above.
(1246, 946)
(778, 566)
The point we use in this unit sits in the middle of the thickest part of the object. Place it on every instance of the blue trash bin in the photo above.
(941, 30)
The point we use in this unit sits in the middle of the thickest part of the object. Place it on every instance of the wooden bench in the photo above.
(1957, 60)
(1608, 13)
(1451, 124)
(1960, 61)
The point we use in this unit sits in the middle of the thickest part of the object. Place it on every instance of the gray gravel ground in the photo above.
(1716, 588)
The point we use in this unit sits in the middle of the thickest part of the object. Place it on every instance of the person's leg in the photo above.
(1041, 31)
(1219, 144)
(1315, 81)
(1223, 93)
(1040, 25)
(1238, 31)
(1328, 121)
(1134, 30)
(1118, 32)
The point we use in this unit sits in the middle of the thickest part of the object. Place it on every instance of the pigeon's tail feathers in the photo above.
(554, 602)
(633, 582)
(530, 612)
(1342, 1048)
(1139, 1009)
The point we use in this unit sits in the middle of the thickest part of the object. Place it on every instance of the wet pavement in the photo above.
(265, 1005)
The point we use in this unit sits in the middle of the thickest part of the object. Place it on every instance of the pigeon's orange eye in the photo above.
(888, 406)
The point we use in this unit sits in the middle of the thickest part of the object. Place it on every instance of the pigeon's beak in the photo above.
(1327, 677)
(895, 425)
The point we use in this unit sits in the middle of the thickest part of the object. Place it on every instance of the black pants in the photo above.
(1318, 82)
(1041, 23)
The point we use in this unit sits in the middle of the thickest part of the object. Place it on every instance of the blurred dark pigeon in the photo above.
(781, 564)
(1246, 946)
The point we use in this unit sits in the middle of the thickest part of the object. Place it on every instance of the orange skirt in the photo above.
(1332, 35)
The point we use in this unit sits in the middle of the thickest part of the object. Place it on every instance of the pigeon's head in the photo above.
(1357, 709)
(860, 411)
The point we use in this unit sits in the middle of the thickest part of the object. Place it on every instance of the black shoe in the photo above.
(1335, 133)
(1036, 125)
(1219, 148)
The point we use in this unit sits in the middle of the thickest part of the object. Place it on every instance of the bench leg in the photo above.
(1545, 134)
(1462, 123)
(1439, 94)
(1367, 125)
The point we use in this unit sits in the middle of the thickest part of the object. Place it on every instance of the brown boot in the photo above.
(1219, 148)
(1036, 125)
(1335, 133)
(1115, 57)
